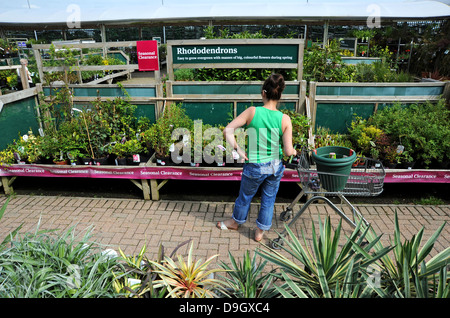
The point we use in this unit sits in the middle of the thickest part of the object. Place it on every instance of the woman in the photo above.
(267, 129)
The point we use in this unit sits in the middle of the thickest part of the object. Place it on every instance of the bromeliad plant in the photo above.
(187, 278)
(134, 278)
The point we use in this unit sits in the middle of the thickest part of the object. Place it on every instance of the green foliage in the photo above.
(42, 265)
(431, 200)
(248, 279)
(50, 264)
(70, 59)
(126, 148)
(134, 279)
(300, 127)
(364, 137)
(85, 130)
(323, 137)
(326, 270)
(423, 129)
(184, 74)
(325, 64)
(10, 77)
(379, 72)
(410, 272)
(159, 135)
(212, 74)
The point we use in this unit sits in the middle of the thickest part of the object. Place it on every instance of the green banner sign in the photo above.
(248, 53)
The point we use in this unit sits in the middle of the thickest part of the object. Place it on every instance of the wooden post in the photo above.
(6, 182)
(154, 189)
(446, 92)
(37, 56)
(80, 78)
(313, 103)
(103, 34)
(24, 77)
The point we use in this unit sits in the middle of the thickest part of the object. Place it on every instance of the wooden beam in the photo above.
(97, 45)
(91, 68)
(108, 77)
(10, 67)
(374, 99)
(10, 98)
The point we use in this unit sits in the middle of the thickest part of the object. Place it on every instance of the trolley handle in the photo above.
(294, 160)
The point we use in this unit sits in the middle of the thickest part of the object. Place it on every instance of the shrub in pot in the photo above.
(159, 135)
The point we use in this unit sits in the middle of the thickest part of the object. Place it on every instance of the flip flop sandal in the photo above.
(262, 235)
(222, 226)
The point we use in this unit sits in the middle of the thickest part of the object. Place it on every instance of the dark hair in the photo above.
(274, 86)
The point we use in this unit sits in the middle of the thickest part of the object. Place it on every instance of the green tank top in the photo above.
(264, 135)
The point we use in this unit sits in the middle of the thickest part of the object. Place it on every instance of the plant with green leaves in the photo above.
(325, 64)
(423, 129)
(324, 271)
(135, 277)
(41, 265)
(7, 156)
(184, 74)
(247, 279)
(10, 236)
(122, 147)
(187, 278)
(408, 273)
(159, 135)
(324, 137)
(300, 127)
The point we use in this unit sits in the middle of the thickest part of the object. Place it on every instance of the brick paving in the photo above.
(128, 224)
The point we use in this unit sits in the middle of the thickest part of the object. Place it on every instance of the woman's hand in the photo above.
(242, 155)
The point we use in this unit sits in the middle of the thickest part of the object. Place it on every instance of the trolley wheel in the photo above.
(286, 215)
(277, 243)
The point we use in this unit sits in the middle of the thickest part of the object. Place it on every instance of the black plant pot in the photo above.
(408, 165)
(100, 161)
(163, 161)
(120, 161)
(84, 161)
(132, 161)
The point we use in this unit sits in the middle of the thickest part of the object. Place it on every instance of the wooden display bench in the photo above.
(162, 174)
(150, 177)
(77, 171)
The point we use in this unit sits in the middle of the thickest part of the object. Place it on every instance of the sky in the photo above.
(102, 10)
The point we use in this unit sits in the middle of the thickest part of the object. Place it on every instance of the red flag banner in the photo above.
(147, 53)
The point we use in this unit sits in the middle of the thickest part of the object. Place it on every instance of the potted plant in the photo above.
(159, 135)
(392, 157)
(118, 149)
(405, 160)
(134, 148)
(6, 157)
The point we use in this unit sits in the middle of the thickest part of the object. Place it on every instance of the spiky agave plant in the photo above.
(187, 279)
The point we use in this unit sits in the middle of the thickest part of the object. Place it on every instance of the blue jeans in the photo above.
(255, 175)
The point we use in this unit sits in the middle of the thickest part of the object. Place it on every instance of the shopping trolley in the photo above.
(366, 180)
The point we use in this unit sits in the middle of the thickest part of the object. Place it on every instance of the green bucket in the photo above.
(335, 163)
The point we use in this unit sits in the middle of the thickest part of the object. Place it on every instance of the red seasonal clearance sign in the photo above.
(147, 53)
